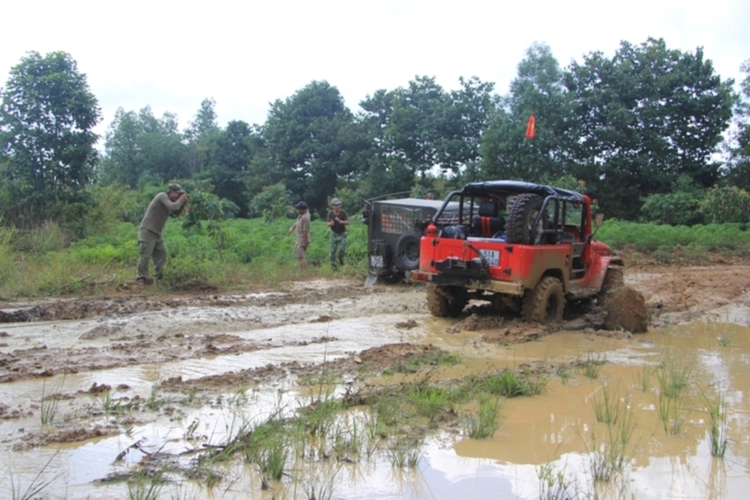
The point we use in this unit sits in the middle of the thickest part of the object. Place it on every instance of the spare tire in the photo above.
(521, 214)
(407, 251)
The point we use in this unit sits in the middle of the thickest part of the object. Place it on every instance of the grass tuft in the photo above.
(484, 424)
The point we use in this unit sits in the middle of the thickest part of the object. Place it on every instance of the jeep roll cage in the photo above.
(552, 228)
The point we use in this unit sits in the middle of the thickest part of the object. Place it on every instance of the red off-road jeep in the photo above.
(524, 247)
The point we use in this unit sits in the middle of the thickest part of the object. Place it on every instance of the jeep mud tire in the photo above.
(545, 303)
(521, 215)
(446, 301)
(407, 251)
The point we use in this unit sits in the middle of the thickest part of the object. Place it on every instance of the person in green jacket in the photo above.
(337, 220)
(150, 241)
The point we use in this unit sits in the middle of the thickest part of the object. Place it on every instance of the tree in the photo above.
(386, 169)
(140, 148)
(415, 125)
(46, 133)
(305, 137)
(231, 154)
(469, 114)
(738, 166)
(645, 117)
(199, 134)
(537, 90)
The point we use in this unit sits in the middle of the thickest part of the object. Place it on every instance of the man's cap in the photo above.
(176, 188)
(300, 205)
(336, 201)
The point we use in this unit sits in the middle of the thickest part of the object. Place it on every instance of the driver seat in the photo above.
(486, 223)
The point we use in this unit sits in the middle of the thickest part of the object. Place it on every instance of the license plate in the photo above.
(376, 261)
(491, 256)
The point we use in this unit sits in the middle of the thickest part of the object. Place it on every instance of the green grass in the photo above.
(405, 453)
(429, 400)
(644, 378)
(725, 340)
(145, 487)
(608, 407)
(555, 484)
(689, 244)
(609, 457)
(673, 375)
(673, 412)
(48, 261)
(431, 358)
(483, 424)
(591, 367)
(49, 403)
(510, 384)
(35, 488)
(717, 422)
(43, 262)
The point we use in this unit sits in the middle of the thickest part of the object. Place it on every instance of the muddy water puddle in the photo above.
(551, 439)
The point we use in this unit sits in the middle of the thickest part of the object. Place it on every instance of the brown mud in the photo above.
(666, 295)
(191, 350)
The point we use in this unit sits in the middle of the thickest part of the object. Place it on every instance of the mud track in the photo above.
(86, 335)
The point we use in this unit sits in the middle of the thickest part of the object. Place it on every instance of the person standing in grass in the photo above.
(301, 228)
(150, 242)
(337, 221)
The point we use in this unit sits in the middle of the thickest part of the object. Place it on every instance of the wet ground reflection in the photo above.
(551, 437)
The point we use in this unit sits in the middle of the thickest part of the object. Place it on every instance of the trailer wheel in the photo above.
(545, 303)
(446, 301)
(521, 215)
(407, 251)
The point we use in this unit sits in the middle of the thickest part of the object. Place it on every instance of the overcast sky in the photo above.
(246, 54)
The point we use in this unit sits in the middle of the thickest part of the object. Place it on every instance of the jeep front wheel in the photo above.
(446, 301)
(545, 303)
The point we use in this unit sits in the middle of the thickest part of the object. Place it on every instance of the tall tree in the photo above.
(46, 131)
(416, 123)
(386, 170)
(467, 119)
(142, 148)
(199, 135)
(230, 154)
(537, 90)
(644, 117)
(305, 139)
(738, 167)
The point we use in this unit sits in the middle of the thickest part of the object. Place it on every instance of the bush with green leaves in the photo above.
(273, 202)
(727, 204)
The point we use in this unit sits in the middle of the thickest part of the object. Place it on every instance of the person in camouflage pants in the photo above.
(337, 221)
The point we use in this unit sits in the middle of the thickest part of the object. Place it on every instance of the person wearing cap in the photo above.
(150, 242)
(337, 221)
(302, 233)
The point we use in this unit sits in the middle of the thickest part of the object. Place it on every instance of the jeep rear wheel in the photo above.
(545, 303)
(446, 301)
(521, 214)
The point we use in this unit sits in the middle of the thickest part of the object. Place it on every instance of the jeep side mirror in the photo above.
(599, 220)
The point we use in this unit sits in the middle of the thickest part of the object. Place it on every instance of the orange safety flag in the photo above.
(530, 127)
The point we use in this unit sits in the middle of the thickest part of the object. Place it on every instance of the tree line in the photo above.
(652, 133)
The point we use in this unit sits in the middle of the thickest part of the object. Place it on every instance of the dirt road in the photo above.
(83, 335)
